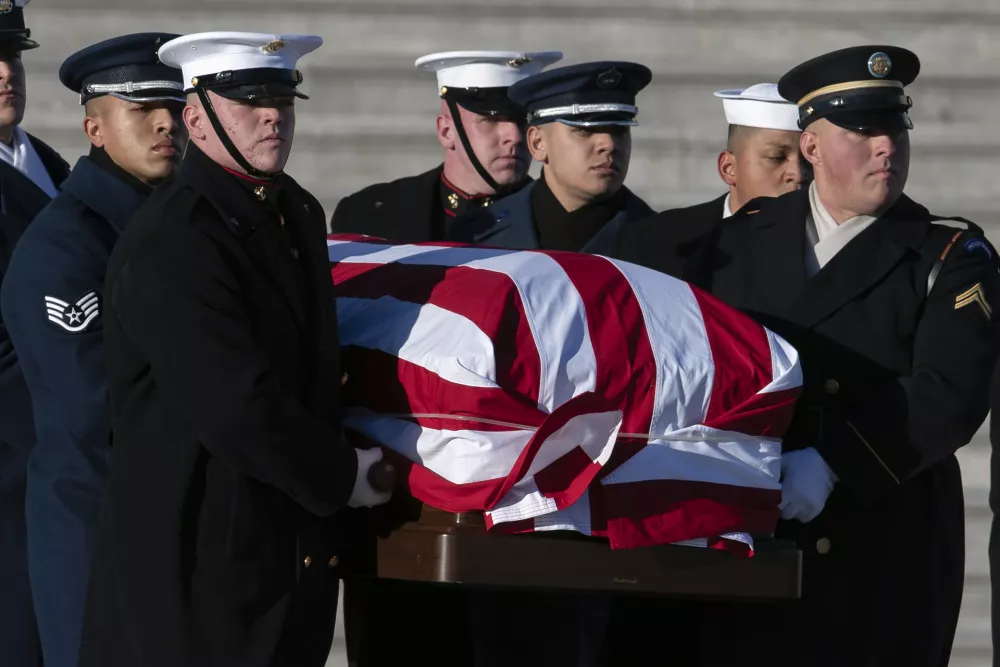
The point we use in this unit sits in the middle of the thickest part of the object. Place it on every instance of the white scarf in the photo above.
(826, 237)
(22, 156)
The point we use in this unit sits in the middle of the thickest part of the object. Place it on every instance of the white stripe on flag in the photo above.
(417, 333)
(461, 457)
(785, 369)
(684, 365)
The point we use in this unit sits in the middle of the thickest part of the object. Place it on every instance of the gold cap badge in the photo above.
(273, 45)
(880, 65)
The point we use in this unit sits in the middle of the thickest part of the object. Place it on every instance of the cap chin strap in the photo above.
(499, 190)
(226, 141)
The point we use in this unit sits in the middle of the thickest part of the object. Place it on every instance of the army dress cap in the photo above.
(478, 80)
(13, 33)
(859, 88)
(240, 65)
(125, 67)
(761, 106)
(584, 95)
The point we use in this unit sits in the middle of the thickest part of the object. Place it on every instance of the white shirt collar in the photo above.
(726, 211)
(22, 156)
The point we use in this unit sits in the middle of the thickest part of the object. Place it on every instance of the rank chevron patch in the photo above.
(974, 294)
(73, 317)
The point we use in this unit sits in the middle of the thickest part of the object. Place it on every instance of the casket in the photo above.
(447, 548)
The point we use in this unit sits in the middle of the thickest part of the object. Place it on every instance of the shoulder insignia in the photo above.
(73, 317)
(976, 295)
(977, 243)
(951, 244)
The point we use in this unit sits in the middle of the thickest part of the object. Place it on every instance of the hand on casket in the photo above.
(374, 482)
(806, 483)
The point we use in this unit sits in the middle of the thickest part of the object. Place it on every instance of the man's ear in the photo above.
(537, 143)
(727, 168)
(446, 134)
(809, 147)
(195, 121)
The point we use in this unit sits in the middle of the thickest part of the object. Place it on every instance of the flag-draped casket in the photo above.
(561, 391)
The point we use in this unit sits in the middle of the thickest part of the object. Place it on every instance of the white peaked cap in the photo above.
(761, 106)
(485, 69)
(205, 53)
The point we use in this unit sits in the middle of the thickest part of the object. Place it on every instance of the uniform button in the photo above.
(308, 561)
(823, 546)
(831, 386)
(334, 561)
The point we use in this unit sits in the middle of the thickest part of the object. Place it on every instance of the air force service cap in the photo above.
(125, 67)
(760, 106)
(859, 88)
(584, 95)
(240, 65)
(13, 33)
(478, 80)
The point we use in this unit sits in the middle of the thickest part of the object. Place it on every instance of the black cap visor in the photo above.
(485, 102)
(261, 91)
(891, 122)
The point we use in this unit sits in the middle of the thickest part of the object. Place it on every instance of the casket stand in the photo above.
(441, 547)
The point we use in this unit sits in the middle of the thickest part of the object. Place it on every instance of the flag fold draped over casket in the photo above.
(561, 391)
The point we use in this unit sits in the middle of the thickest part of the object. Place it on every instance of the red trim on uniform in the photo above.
(247, 177)
(459, 192)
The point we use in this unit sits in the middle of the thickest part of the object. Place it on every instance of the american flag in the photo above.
(562, 391)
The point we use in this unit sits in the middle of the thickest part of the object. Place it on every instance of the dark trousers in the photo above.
(19, 644)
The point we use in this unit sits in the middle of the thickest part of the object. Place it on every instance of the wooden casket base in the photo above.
(455, 548)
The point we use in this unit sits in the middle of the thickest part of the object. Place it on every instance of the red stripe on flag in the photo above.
(387, 384)
(566, 479)
(766, 414)
(741, 355)
(349, 237)
(655, 512)
(488, 299)
(626, 367)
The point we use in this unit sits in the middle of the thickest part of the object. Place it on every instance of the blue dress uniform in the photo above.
(53, 302)
(898, 336)
(24, 191)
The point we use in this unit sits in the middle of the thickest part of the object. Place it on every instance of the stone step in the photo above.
(401, 102)
(673, 42)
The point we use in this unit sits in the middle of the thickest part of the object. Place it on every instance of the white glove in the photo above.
(806, 483)
(364, 494)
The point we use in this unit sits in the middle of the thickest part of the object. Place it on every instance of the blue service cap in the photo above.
(584, 95)
(125, 67)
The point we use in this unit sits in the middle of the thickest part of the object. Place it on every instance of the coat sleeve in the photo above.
(920, 419)
(179, 301)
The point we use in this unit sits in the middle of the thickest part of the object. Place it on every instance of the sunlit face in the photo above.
(261, 130)
(585, 163)
(13, 89)
(497, 142)
(863, 173)
(143, 138)
(762, 163)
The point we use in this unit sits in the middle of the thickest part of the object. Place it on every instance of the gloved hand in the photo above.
(370, 487)
(806, 483)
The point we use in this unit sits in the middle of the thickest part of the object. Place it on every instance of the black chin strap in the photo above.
(226, 141)
(464, 138)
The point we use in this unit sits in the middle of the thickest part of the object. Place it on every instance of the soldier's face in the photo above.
(861, 173)
(143, 138)
(765, 163)
(261, 130)
(13, 89)
(587, 163)
(498, 143)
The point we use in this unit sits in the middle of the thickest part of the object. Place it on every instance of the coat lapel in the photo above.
(863, 262)
(513, 225)
(633, 209)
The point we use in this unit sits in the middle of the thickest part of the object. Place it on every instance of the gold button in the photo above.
(334, 561)
(308, 561)
(823, 546)
(831, 386)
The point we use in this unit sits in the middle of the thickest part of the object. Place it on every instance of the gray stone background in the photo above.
(371, 116)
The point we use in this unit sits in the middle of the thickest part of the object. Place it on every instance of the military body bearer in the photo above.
(221, 537)
(892, 311)
(482, 133)
(55, 316)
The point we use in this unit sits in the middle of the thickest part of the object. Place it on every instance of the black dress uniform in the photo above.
(219, 539)
(54, 319)
(897, 338)
(22, 195)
